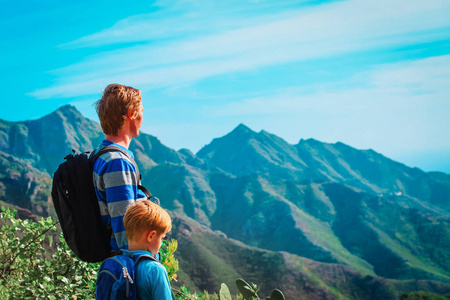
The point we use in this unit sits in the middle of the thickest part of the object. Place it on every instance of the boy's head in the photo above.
(146, 224)
(114, 105)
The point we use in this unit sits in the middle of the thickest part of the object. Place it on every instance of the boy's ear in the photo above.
(150, 235)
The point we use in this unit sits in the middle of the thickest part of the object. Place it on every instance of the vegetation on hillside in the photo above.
(424, 296)
(28, 271)
(383, 226)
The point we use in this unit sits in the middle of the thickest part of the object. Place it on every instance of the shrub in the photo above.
(28, 271)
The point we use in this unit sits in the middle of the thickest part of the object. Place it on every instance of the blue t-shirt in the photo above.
(151, 278)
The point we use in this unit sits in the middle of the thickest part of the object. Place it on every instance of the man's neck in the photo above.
(124, 136)
(122, 140)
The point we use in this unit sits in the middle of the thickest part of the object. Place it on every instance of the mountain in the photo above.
(334, 202)
(243, 152)
(207, 258)
(45, 142)
(24, 185)
(349, 213)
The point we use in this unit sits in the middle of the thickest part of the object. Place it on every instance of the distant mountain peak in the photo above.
(241, 129)
(238, 135)
(242, 126)
(68, 109)
(309, 141)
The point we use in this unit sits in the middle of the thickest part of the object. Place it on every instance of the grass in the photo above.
(321, 234)
(403, 252)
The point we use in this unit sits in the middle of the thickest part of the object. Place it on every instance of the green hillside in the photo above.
(316, 219)
(207, 258)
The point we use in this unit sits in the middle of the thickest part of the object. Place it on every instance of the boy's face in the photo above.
(155, 241)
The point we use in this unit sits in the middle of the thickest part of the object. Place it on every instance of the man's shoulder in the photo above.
(115, 151)
(112, 156)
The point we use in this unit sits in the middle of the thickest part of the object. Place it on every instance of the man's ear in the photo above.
(150, 235)
(130, 114)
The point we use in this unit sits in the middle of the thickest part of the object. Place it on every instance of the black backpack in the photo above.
(76, 205)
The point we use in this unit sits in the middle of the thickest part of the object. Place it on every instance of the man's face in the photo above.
(137, 120)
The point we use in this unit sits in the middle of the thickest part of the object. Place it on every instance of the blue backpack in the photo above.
(116, 277)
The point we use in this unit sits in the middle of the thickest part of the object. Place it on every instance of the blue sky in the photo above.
(371, 74)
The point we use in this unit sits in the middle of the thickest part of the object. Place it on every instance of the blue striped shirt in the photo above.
(115, 184)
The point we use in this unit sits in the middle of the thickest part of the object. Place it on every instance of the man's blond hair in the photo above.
(113, 107)
(146, 215)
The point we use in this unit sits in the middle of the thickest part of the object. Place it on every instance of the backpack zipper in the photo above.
(127, 275)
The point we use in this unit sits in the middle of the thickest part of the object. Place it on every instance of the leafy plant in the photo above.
(168, 259)
(28, 272)
(250, 291)
(224, 292)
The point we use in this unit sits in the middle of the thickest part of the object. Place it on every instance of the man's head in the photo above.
(146, 224)
(118, 102)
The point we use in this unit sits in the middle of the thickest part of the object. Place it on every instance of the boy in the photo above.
(146, 226)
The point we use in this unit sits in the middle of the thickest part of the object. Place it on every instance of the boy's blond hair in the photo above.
(146, 215)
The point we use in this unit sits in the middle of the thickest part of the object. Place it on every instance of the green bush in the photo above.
(424, 296)
(28, 270)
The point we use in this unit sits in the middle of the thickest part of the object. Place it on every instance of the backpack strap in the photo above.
(112, 148)
(138, 258)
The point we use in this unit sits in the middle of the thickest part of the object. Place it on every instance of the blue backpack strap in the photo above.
(126, 271)
(115, 279)
(139, 257)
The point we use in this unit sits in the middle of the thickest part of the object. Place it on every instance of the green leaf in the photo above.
(224, 293)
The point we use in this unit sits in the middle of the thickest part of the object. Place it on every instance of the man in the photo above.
(115, 181)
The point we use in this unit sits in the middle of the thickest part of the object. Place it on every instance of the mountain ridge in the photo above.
(250, 185)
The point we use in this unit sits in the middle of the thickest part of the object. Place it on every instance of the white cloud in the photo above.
(184, 20)
(424, 78)
(429, 75)
(399, 106)
(327, 30)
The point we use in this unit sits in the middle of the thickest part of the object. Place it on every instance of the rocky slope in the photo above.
(357, 211)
